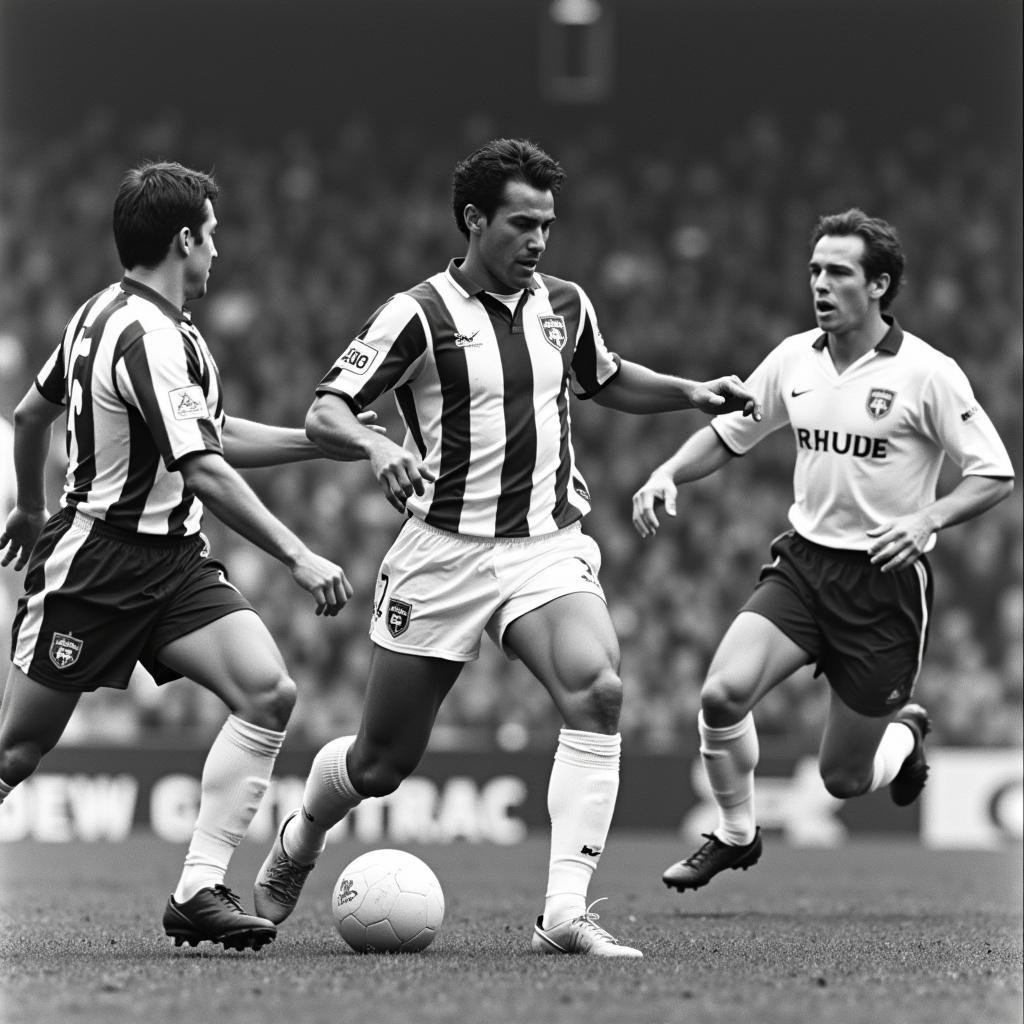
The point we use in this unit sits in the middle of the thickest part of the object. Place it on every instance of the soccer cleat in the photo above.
(214, 914)
(280, 880)
(699, 868)
(913, 773)
(581, 936)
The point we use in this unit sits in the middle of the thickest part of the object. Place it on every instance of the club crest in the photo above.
(398, 616)
(64, 650)
(880, 401)
(554, 330)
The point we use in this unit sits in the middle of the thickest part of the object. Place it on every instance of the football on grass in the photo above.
(387, 901)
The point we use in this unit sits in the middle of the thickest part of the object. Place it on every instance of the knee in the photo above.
(271, 705)
(597, 705)
(723, 702)
(843, 783)
(19, 761)
(376, 773)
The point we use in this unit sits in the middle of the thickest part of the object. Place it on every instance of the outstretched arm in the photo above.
(638, 389)
(248, 445)
(235, 504)
(699, 456)
(33, 419)
(899, 544)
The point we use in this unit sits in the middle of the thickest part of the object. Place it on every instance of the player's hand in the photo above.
(326, 581)
(368, 418)
(899, 544)
(19, 536)
(399, 474)
(659, 490)
(726, 394)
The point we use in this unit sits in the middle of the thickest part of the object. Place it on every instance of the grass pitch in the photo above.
(870, 932)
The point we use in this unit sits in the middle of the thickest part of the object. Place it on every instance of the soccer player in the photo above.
(121, 573)
(874, 411)
(482, 357)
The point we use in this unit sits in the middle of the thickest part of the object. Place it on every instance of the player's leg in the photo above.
(569, 644)
(236, 658)
(753, 657)
(403, 696)
(32, 719)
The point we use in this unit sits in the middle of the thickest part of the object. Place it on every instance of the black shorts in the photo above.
(866, 630)
(98, 599)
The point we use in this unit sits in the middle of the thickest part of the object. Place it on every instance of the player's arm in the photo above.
(335, 428)
(638, 389)
(209, 476)
(899, 544)
(33, 420)
(248, 444)
(700, 455)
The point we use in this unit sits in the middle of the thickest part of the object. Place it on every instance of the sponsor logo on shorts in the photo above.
(880, 402)
(398, 615)
(188, 403)
(65, 650)
(588, 573)
(358, 358)
(554, 330)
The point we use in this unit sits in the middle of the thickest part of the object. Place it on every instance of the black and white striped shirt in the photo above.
(484, 393)
(141, 391)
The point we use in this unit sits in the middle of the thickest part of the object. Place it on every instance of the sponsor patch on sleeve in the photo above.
(358, 358)
(970, 413)
(188, 403)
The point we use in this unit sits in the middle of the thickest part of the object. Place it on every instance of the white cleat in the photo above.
(279, 881)
(580, 936)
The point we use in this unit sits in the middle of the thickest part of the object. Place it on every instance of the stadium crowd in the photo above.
(696, 265)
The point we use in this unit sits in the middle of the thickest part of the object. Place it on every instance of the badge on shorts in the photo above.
(64, 650)
(399, 614)
(554, 330)
(880, 402)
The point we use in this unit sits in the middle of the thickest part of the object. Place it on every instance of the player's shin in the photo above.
(730, 755)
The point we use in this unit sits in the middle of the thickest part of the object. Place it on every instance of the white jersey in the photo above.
(870, 441)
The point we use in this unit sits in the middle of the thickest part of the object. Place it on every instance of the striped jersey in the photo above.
(483, 391)
(870, 441)
(141, 391)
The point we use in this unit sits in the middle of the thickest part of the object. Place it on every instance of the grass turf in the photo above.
(872, 931)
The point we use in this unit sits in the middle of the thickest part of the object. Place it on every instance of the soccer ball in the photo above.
(387, 901)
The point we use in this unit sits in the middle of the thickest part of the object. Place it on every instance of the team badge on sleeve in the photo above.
(188, 403)
(880, 402)
(554, 330)
(357, 358)
(398, 616)
(64, 650)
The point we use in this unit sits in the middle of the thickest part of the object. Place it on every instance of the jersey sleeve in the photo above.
(156, 378)
(740, 433)
(51, 380)
(593, 366)
(960, 426)
(386, 353)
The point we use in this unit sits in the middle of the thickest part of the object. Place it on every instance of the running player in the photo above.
(874, 411)
(481, 358)
(121, 573)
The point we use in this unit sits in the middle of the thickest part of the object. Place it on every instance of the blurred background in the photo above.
(702, 139)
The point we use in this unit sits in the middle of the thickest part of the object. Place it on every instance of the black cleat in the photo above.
(913, 774)
(215, 915)
(700, 867)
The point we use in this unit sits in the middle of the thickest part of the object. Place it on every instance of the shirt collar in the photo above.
(467, 286)
(890, 343)
(134, 287)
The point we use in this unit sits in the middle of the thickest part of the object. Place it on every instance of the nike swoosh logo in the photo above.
(796, 394)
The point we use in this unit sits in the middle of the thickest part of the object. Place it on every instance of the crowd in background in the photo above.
(696, 265)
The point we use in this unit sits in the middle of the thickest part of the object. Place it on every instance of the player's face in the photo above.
(202, 253)
(843, 296)
(506, 249)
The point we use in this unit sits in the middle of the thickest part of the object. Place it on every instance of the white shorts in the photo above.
(438, 592)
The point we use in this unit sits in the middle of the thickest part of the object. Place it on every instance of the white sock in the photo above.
(235, 777)
(730, 755)
(581, 800)
(896, 746)
(5, 791)
(329, 795)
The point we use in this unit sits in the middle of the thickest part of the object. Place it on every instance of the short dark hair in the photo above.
(154, 202)
(480, 179)
(883, 250)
